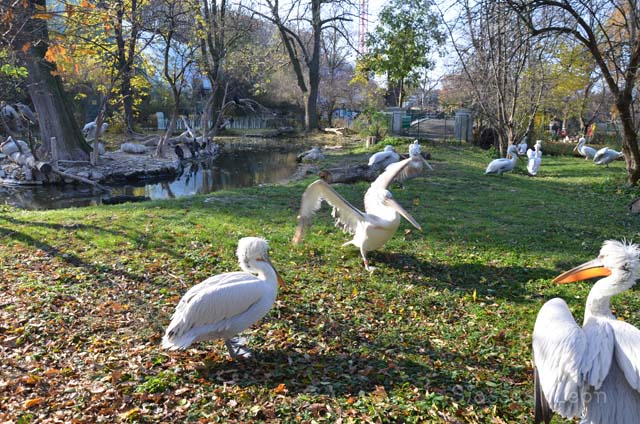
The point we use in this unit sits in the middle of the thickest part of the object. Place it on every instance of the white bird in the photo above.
(584, 150)
(499, 166)
(384, 158)
(371, 229)
(222, 306)
(313, 155)
(605, 156)
(522, 147)
(591, 372)
(535, 158)
(416, 166)
(89, 130)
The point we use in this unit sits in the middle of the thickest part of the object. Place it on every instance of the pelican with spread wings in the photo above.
(372, 228)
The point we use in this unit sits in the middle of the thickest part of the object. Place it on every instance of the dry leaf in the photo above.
(33, 402)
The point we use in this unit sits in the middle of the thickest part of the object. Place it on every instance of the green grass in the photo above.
(86, 293)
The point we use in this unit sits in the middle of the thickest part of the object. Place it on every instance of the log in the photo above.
(349, 174)
(82, 180)
(19, 152)
(336, 131)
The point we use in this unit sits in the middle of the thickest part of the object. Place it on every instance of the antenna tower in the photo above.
(362, 33)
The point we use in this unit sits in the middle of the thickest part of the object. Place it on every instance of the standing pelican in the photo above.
(416, 166)
(499, 166)
(522, 147)
(384, 158)
(591, 372)
(372, 228)
(222, 306)
(535, 158)
(584, 150)
(605, 156)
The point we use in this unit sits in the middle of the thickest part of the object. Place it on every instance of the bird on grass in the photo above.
(605, 156)
(502, 165)
(384, 158)
(372, 228)
(535, 158)
(584, 150)
(591, 372)
(226, 304)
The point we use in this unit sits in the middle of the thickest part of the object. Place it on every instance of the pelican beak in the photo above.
(396, 206)
(575, 148)
(427, 163)
(587, 270)
(281, 282)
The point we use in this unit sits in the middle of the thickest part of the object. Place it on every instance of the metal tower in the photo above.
(362, 32)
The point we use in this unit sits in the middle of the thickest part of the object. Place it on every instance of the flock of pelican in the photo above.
(590, 372)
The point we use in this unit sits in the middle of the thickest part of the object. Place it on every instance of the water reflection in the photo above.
(239, 167)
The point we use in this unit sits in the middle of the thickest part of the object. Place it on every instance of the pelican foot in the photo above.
(238, 349)
(370, 268)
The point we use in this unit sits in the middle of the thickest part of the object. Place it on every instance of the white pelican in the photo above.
(499, 166)
(605, 156)
(591, 372)
(522, 147)
(371, 229)
(416, 166)
(584, 150)
(535, 158)
(313, 155)
(89, 130)
(384, 158)
(222, 306)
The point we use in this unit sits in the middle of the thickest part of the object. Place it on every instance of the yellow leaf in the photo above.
(474, 295)
(51, 372)
(33, 402)
(130, 413)
(44, 16)
(281, 388)
(355, 292)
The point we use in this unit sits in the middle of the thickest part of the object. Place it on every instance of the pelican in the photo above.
(535, 157)
(605, 156)
(522, 147)
(384, 158)
(415, 167)
(89, 129)
(591, 372)
(499, 166)
(313, 155)
(584, 150)
(371, 229)
(222, 306)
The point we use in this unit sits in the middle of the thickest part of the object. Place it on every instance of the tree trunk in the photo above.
(54, 109)
(629, 141)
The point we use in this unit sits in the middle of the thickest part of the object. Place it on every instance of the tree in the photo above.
(502, 65)
(610, 31)
(402, 43)
(24, 26)
(336, 73)
(300, 25)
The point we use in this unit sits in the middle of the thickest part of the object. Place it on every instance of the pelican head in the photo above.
(616, 258)
(414, 149)
(513, 150)
(252, 252)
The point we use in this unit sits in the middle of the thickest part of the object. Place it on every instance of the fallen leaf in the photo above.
(33, 402)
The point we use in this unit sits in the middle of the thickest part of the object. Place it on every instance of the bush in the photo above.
(372, 124)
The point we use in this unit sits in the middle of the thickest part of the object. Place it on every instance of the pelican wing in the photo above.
(391, 172)
(558, 349)
(212, 303)
(347, 216)
(381, 157)
(627, 352)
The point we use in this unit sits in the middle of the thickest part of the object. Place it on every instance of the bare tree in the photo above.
(610, 30)
(300, 24)
(502, 64)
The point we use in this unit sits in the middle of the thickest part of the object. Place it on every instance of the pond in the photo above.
(237, 166)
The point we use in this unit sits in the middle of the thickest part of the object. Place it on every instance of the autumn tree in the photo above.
(25, 32)
(610, 31)
(300, 24)
(336, 73)
(503, 66)
(402, 44)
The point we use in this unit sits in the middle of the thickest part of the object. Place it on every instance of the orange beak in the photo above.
(281, 282)
(587, 270)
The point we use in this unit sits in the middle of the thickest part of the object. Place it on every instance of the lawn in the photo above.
(440, 332)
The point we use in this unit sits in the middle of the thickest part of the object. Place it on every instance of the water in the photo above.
(237, 166)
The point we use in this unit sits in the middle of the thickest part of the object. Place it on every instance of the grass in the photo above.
(441, 332)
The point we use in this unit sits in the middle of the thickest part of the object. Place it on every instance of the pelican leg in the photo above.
(237, 348)
(366, 261)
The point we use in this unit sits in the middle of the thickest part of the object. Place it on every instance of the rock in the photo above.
(134, 148)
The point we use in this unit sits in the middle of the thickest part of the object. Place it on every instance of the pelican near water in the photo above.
(372, 228)
(591, 372)
(222, 306)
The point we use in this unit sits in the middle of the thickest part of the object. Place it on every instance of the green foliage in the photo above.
(372, 123)
(401, 44)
